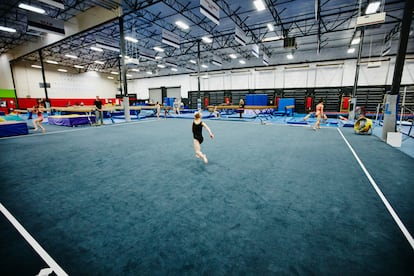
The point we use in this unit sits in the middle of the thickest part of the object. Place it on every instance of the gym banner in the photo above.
(46, 24)
(210, 10)
(170, 38)
(255, 50)
(240, 36)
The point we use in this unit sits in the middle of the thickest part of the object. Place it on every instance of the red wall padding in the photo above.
(30, 102)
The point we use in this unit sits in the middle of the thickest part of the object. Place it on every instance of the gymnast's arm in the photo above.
(209, 130)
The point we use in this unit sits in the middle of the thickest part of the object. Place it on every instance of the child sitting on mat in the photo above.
(198, 135)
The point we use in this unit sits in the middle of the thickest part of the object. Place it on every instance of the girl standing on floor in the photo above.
(198, 135)
(319, 114)
(38, 109)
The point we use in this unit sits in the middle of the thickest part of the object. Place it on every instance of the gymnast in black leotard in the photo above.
(198, 135)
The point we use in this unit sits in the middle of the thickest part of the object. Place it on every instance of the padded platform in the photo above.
(71, 120)
(13, 128)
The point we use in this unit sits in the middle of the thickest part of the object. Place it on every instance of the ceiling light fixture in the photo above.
(242, 61)
(182, 25)
(131, 39)
(96, 49)
(36, 66)
(174, 69)
(193, 61)
(51, 61)
(351, 50)
(233, 56)
(355, 41)
(7, 29)
(207, 39)
(31, 8)
(272, 38)
(204, 65)
(158, 49)
(111, 78)
(289, 56)
(70, 56)
(372, 7)
(135, 69)
(114, 73)
(78, 66)
(270, 27)
(62, 70)
(259, 5)
(149, 72)
(99, 62)
(160, 65)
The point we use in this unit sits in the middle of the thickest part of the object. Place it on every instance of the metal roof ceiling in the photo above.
(316, 40)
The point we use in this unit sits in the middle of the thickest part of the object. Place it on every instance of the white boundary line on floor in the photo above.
(36, 246)
(381, 195)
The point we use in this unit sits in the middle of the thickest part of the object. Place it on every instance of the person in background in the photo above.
(198, 135)
(241, 107)
(98, 111)
(39, 109)
(176, 107)
(319, 114)
(158, 107)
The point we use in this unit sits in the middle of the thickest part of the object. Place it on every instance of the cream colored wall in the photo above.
(6, 81)
(63, 85)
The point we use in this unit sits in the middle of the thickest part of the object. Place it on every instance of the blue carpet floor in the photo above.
(132, 199)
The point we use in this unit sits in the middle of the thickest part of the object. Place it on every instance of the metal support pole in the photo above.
(392, 98)
(198, 75)
(43, 73)
(358, 65)
(123, 79)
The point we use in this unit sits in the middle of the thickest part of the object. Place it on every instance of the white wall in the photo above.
(6, 81)
(90, 84)
(62, 85)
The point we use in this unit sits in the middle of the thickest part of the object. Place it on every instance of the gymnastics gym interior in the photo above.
(287, 187)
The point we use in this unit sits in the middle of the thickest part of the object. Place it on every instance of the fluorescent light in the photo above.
(78, 66)
(51, 61)
(158, 57)
(160, 65)
(207, 39)
(36, 66)
(372, 7)
(109, 77)
(99, 62)
(31, 8)
(355, 41)
(149, 72)
(204, 65)
(158, 49)
(270, 27)
(132, 39)
(242, 61)
(70, 56)
(351, 50)
(129, 75)
(259, 5)
(174, 69)
(114, 73)
(7, 29)
(135, 69)
(272, 38)
(289, 56)
(233, 56)
(96, 49)
(182, 25)
(62, 70)
(193, 61)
